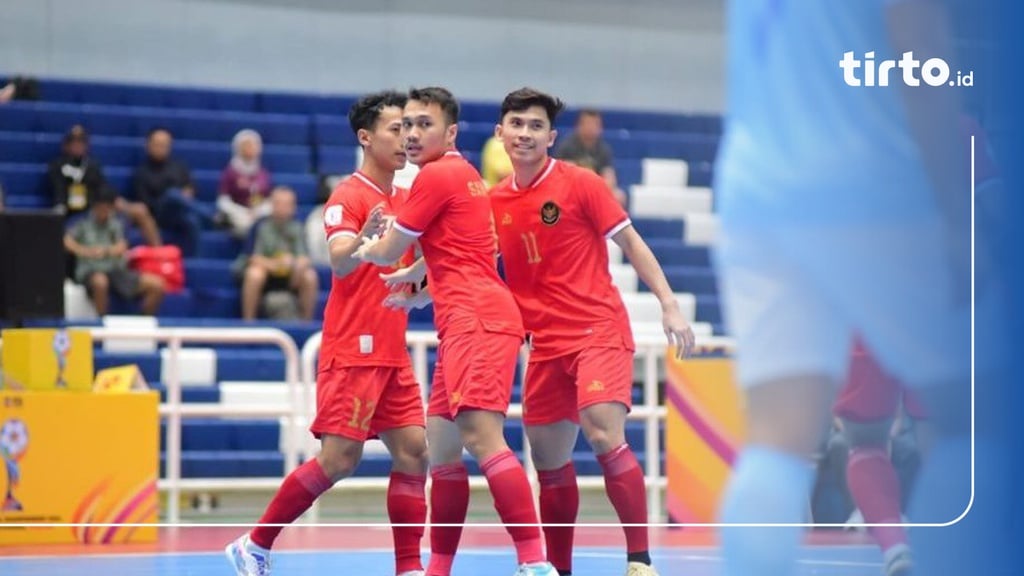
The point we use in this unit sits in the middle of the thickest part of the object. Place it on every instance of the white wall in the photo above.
(654, 54)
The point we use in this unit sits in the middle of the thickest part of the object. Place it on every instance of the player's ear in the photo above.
(363, 136)
(497, 131)
(552, 135)
(452, 132)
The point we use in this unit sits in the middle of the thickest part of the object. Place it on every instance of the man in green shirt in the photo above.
(99, 245)
(280, 260)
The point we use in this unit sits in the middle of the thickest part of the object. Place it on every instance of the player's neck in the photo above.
(525, 174)
(380, 176)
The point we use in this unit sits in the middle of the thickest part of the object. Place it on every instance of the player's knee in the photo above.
(867, 434)
(340, 462)
(602, 440)
(411, 458)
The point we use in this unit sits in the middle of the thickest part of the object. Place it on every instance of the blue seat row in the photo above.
(29, 180)
(35, 148)
(295, 103)
(103, 120)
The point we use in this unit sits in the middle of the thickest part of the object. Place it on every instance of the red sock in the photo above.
(624, 482)
(407, 504)
(559, 504)
(295, 496)
(876, 491)
(449, 502)
(513, 499)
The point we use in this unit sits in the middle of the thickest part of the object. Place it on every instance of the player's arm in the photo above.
(386, 250)
(933, 113)
(677, 329)
(408, 300)
(412, 274)
(342, 245)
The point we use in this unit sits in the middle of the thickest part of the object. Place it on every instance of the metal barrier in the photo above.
(650, 348)
(174, 410)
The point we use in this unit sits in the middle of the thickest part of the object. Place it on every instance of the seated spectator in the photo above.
(280, 261)
(75, 173)
(494, 162)
(244, 184)
(164, 184)
(99, 245)
(587, 148)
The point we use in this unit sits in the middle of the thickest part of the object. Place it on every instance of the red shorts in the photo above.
(358, 402)
(557, 389)
(870, 394)
(474, 370)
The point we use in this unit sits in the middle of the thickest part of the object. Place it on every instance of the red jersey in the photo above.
(358, 330)
(448, 210)
(552, 236)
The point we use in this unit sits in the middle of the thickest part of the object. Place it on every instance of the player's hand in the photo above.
(374, 225)
(364, 254)
(406, 301)
(408, 275)
(677, 330)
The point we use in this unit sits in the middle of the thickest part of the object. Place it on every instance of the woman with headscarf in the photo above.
(244, 184)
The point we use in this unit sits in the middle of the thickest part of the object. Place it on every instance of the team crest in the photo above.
(506, 219)
(550, 213)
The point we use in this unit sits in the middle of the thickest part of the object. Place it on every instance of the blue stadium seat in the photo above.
(700, 281)
(304, 104)
(333, 131)
(336, 159)
(651, 228)
(672, 252)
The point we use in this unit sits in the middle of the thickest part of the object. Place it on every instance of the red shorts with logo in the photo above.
(557, 389)
(870, 394)
(474, 370)
(358, 402)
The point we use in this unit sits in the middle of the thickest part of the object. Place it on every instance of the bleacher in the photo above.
(664, 162)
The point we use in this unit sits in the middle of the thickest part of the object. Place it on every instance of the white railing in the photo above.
(650, 348)
(174, 410)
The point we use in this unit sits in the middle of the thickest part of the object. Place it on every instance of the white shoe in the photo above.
(640, 569)
(248, 558)
(898, 561)
(538, 569)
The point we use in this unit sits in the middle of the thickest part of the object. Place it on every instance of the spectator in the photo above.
(495, 164)
(244, 184)
(587, 148)
(164, 184)
(75, 174)
(280, 261)
(20, 88)
(99, 245)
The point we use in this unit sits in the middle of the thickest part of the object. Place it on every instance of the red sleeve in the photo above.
(344, 215)
(428, 197)
(605, 213)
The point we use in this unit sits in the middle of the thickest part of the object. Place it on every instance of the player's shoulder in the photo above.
(348, 190)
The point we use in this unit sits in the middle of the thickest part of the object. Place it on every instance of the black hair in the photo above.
(363, 115)
(523, 98)
(440, 96)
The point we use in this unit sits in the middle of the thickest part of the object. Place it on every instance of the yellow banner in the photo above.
(704, 431)
(46, 359)
(119, 379)
(78, 458)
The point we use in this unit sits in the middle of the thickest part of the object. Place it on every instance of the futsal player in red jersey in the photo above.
(365, 382)
(479, 326)
(553, 220)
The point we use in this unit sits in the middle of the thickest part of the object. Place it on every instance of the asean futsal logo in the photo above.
(13, 445)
